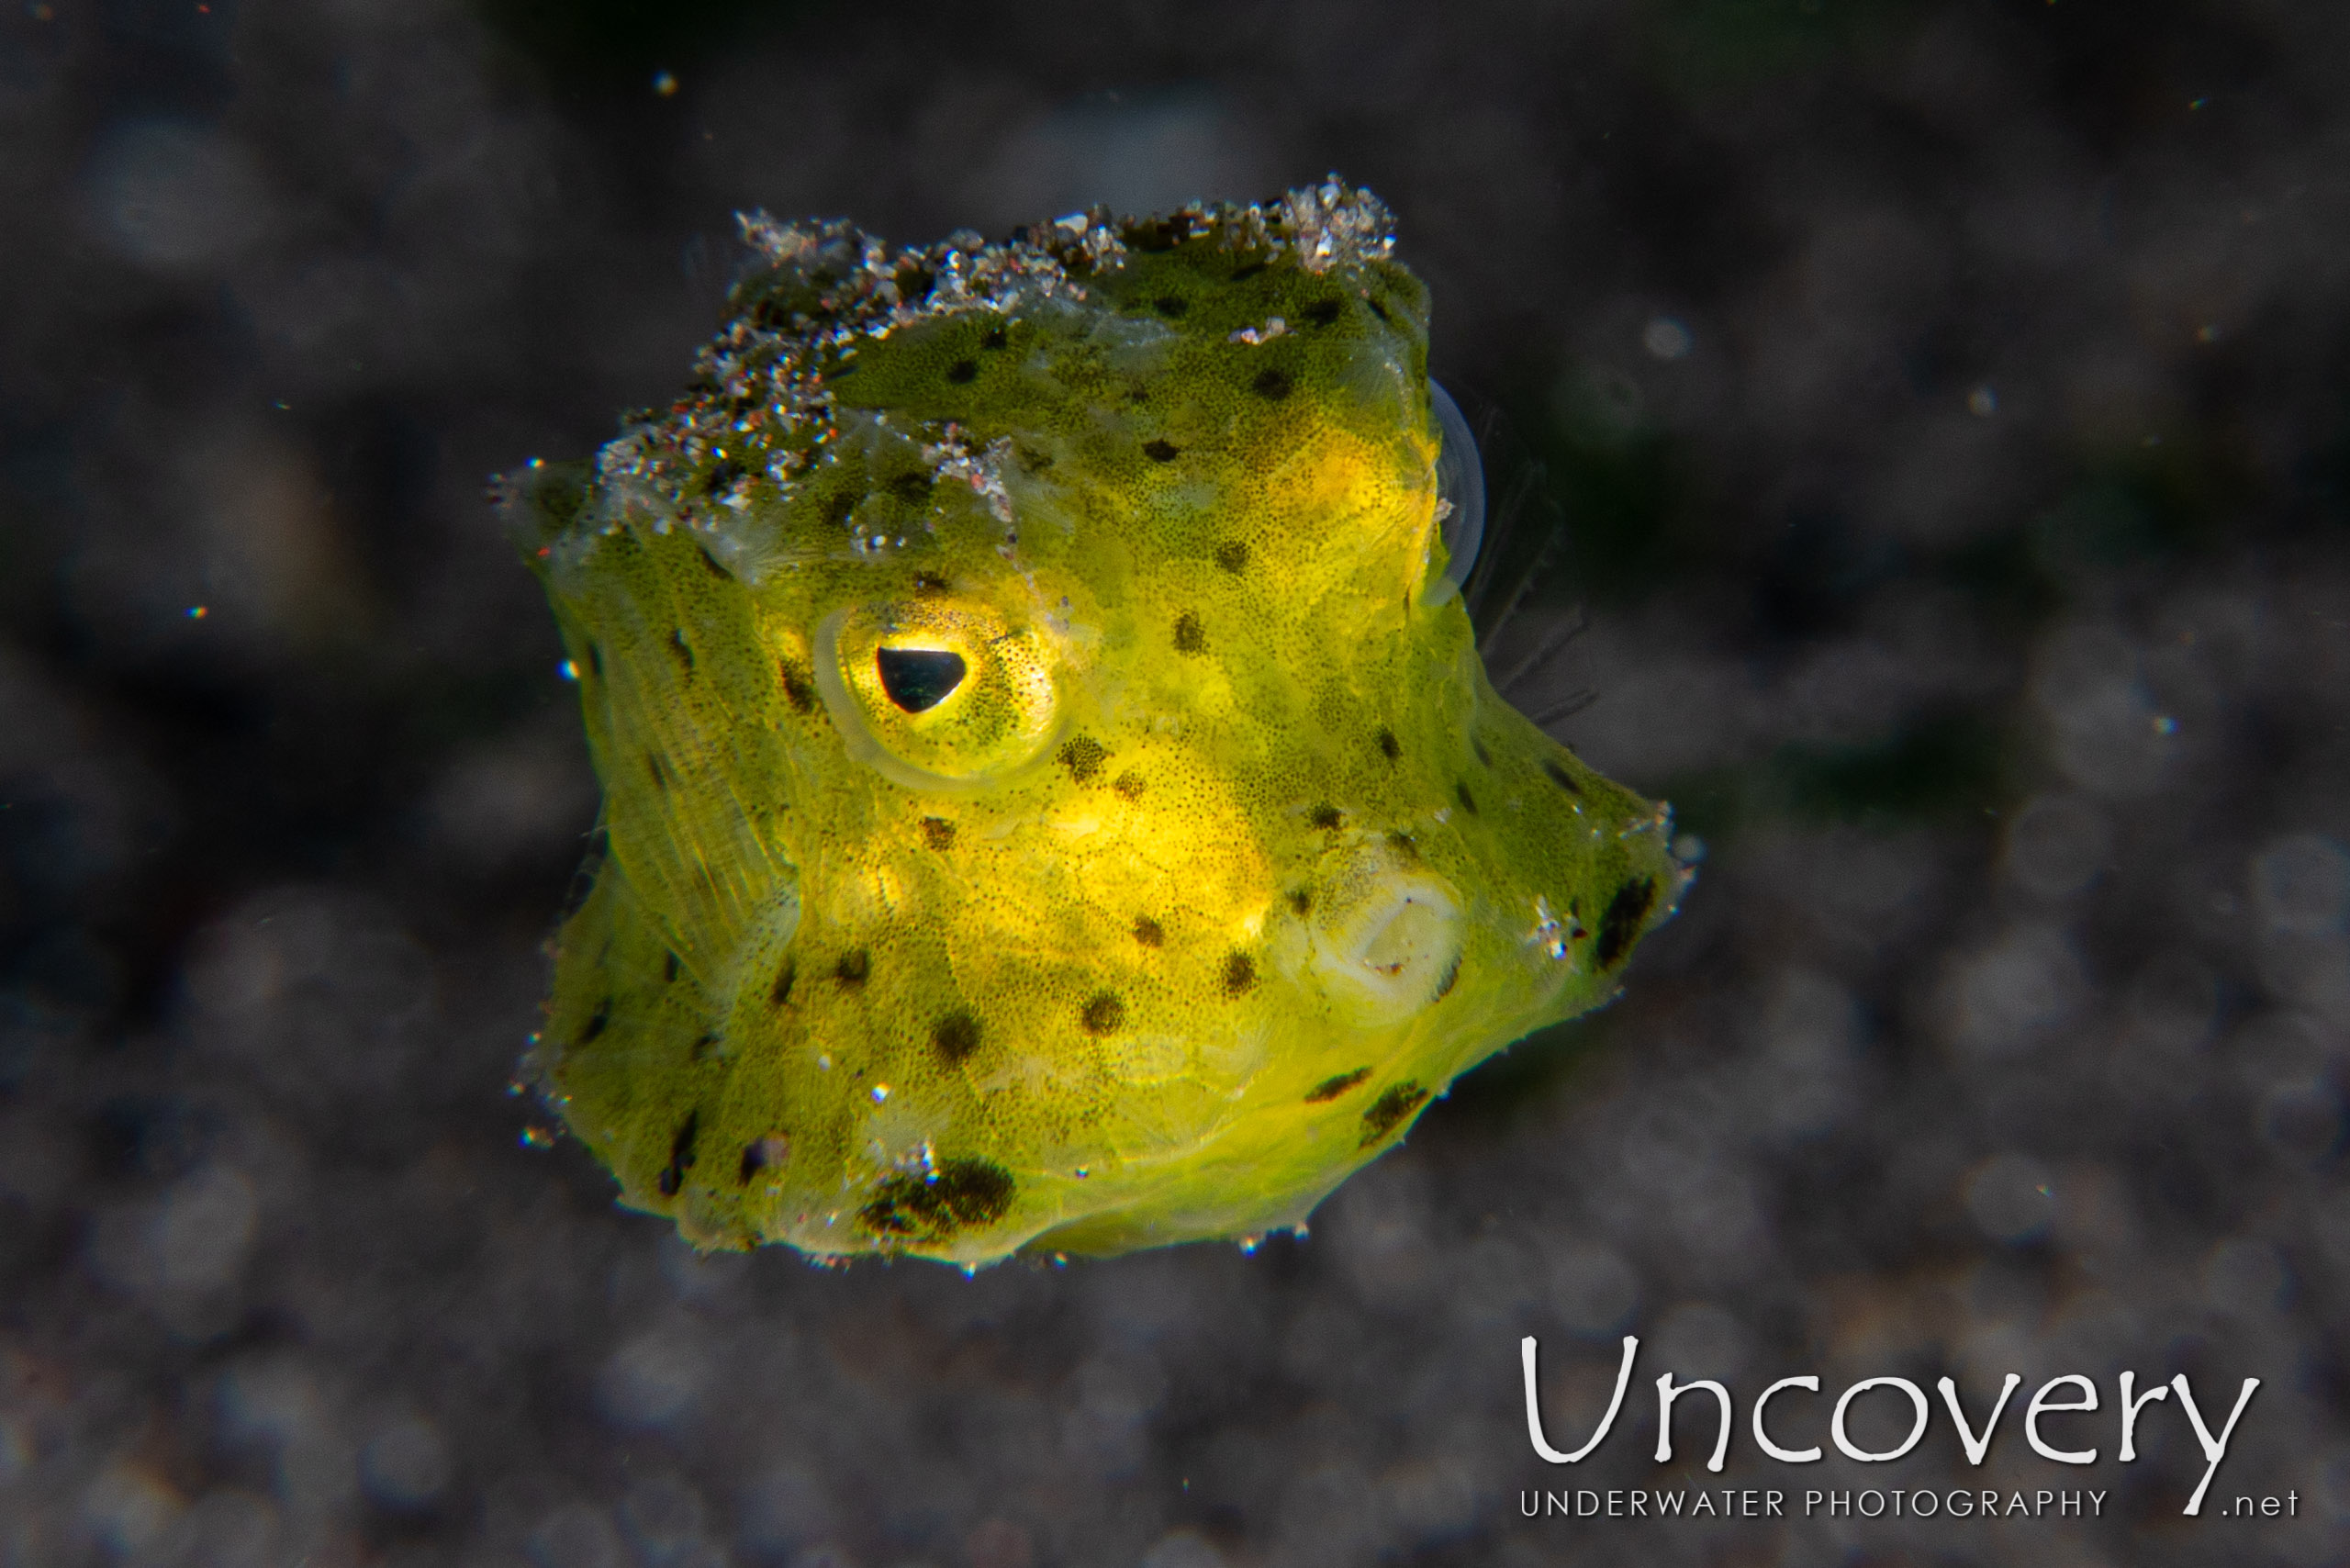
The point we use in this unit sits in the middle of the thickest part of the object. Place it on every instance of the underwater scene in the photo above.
(805, 785)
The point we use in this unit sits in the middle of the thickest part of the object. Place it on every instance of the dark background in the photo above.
(1944, 408)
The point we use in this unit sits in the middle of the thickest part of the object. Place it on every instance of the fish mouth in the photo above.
(1387, 942)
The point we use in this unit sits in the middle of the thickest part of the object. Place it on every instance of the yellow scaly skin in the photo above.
(1219, 861)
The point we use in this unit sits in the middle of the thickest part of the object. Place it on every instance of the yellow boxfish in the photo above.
(1052, 799)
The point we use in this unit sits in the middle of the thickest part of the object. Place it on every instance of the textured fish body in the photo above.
(1049, 800)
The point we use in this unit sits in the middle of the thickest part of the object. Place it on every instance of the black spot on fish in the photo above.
(960, 1193)
(938, 833)
(1128, 784)
(658, 769)
(1406, 848)
(1301, 903)
(1329, 818)
(1619, 925)
(854, 969)
(704, 1047)
(595, 1021)
(1389, 747)
(1233, 557)
(1189, 636)
(768, 1153)
(710, 563)
(1161, 451)
(1467, 801)
(1083, 757)
(1483, 757)
(1149, 932)
(682, 651)
(912, 489)
(838, 508)
(681, 1154)
(1323, 312)
(1239, 975)
(596, 661)
(1246, 270)
(928, 584)
(1390, 1110)
(955, 1037)
(1171, 304)
(1377, 308)
(1103, 1013)
(963, 371)
(670, 968)
(1271, 385)
(1329, 1088)
(798, 689)
(1560, 777)
(1451, 979)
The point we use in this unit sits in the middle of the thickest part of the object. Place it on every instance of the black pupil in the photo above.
(918, 679)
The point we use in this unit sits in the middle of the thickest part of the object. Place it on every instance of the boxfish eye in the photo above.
(1460, 480)
(918, 679)
(944, 694)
